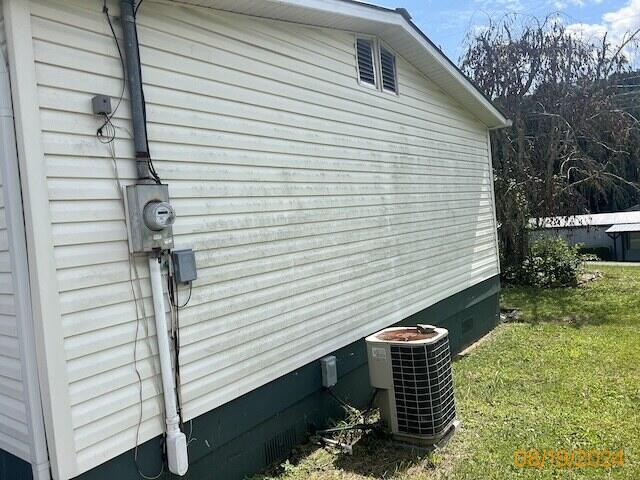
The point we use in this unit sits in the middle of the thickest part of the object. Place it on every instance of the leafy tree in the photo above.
(575, 141)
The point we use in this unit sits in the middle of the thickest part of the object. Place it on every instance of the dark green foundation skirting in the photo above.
(251, 432)
(14, 468)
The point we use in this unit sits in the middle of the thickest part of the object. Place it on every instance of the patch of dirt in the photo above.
(588, 277)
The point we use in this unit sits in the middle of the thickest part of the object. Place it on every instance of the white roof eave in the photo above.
(624, 228)
(390, 25)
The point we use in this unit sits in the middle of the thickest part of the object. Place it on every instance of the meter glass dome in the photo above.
(159, 215)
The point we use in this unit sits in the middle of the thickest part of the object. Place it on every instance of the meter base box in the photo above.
(141, 238)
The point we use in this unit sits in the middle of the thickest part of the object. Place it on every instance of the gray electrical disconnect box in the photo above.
(184, 264)
(150, 218)
(329, 371)
(101, 105)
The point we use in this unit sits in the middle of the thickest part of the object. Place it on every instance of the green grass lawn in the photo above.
(566, 376)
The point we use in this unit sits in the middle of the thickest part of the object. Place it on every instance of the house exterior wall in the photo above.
(14, 430)
(320, 211)
(14, 425)
(3, 36)
(261, 428)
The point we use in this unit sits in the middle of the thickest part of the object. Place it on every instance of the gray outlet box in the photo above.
(329, 371)
(184, 264)
(142, 238)
(101, 105)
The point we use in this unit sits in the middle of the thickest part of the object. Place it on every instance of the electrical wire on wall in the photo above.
(135, 12)
(107, 134)
(138, 298)
(152, 169)
(107, 119)
(174, 445)
(174, 303)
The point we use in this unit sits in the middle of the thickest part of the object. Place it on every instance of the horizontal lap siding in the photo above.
(14, 432)
(3, 36)
(319, 211)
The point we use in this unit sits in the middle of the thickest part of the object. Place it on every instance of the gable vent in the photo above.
(388, 67)
(365, 61)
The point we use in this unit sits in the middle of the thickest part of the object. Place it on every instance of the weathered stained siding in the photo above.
(320, 210)
(14, 430)
(3, 37)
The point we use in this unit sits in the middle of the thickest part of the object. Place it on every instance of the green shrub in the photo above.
(551, 262)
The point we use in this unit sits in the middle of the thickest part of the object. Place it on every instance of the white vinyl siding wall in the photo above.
(3, 36)
(319, 210)
(14, 430)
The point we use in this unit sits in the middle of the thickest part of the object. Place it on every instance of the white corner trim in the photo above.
(20, 272)
(45, 307)
(493, 198)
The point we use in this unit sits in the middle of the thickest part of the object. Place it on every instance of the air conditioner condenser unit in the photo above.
(411, 367)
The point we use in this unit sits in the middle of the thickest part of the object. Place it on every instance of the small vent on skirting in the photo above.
(467, 325)
(279, 446)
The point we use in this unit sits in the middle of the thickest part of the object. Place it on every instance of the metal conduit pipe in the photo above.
(176, 441)
(132, 62)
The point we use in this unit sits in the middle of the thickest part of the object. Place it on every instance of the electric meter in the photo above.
(150, 218)
(158, 215)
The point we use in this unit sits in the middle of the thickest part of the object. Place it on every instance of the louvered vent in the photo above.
(423, 387)
(388, 67)
(365, 61)
(280, 446)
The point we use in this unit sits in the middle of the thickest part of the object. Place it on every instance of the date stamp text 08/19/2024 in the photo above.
(563, 458)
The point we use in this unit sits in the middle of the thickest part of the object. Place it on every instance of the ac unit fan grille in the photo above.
(423, 387)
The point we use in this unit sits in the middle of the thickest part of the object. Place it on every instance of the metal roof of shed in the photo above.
(393, 26)
(594, 220)
(624, 227)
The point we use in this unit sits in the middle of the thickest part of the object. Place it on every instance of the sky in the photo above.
(446, 22)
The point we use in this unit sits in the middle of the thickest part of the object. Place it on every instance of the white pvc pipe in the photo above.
(176, 440)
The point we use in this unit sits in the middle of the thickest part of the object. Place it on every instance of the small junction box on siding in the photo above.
(329, 371)
(184, 264)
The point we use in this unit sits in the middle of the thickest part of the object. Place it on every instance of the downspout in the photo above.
(176, 442)
(39, 454)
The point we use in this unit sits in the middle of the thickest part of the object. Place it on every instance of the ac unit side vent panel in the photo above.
(423, 387)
